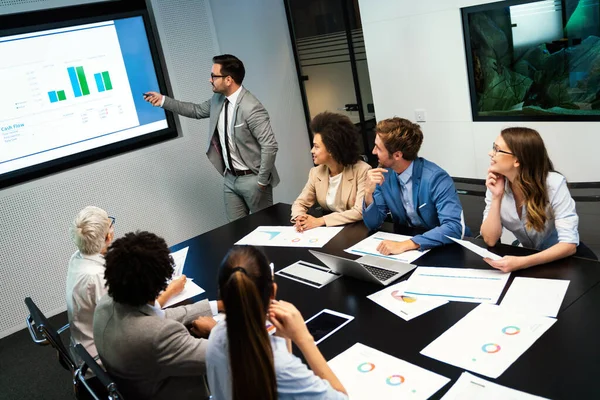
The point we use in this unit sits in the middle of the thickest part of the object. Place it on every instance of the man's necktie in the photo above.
(228, 149)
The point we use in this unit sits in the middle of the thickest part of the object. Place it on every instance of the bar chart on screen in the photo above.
(61, 92)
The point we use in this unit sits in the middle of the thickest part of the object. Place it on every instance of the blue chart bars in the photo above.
(99, 82)
(53, 97)
(74, 82)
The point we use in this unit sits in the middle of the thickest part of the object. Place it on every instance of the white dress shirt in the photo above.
(235, 158)
(294, 379)
(334, 184)
(562, 222)
(85, 287)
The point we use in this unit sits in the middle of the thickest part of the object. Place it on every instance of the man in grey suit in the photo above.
(242, 146)
(148, 351)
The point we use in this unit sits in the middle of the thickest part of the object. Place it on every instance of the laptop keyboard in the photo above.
(380, 273)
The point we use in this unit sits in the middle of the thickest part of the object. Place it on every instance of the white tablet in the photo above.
(326, 323)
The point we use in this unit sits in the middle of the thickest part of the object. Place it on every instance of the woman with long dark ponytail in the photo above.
(527, 197)
(243, 361)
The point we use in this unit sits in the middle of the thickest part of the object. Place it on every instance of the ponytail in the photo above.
(250, 354)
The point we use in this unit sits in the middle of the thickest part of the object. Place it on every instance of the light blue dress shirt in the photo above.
(406, 186)
(561, 226)
(294, 379)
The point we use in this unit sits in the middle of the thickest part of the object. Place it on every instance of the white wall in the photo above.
(257, 32)
(417, 60)
(170, 188)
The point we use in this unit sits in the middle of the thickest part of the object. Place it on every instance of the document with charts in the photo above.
(457, 284)
(488, 340)
(369, 374)
(393, 299)
(286, 236)
(369, 245)
(471, 387)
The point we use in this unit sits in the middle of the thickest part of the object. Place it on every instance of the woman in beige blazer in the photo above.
(337, 182)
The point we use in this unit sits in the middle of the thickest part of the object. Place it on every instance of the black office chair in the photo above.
(101, 386)
(42, 333)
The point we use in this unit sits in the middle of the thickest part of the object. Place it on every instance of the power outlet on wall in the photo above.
(420, 115)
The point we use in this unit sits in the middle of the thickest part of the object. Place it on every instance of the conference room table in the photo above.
(562, 364)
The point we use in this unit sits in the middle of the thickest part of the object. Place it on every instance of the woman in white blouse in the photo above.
(242, 360)
(337, 182)
(527, 197)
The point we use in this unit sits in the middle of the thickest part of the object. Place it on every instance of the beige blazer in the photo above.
(349, 196)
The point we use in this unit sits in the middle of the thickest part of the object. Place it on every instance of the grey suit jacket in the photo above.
(252, 133)
(148, 356)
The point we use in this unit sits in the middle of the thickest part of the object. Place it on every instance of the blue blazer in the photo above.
(435, 200)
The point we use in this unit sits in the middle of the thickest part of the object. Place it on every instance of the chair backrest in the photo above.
(43, 333)
(107, 388)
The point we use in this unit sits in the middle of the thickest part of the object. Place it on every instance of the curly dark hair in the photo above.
(138, 266)
(339, 135)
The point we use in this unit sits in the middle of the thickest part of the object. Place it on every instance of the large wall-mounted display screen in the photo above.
(534, 60)
(76, 92)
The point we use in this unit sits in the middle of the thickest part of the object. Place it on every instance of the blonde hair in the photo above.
(89, 230)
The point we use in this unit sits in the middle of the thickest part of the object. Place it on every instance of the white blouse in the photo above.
(334, 184)
(561, 225)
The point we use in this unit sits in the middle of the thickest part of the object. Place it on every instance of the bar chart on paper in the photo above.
(78, 93)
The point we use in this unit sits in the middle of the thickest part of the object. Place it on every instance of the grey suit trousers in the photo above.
(243, 195)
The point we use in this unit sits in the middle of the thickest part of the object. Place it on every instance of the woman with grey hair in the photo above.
(92, 231)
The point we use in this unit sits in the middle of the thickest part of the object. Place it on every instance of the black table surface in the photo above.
(560, 365)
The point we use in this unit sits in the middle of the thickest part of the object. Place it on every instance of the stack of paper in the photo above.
(535, 296)
(369, 245)
(406, 307)
(369, 374)
(457, 284)
(190, 289)
(488, 340)
(286, 236)
(471, 387)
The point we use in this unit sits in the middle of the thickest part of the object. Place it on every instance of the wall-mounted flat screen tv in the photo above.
(72, 92)
(534, 60)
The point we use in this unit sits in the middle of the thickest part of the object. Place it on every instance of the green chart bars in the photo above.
(57, 95)
(80, 84)
(103, 81)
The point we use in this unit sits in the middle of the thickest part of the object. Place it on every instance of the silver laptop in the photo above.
(367, 268)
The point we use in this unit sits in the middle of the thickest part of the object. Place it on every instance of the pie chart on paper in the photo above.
(397, 294)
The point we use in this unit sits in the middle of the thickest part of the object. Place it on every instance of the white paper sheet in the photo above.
(457, 284)
(189, 290)
(471, 387)
(488, 340)
(179, 257)
(286, 236)
(369, 245)
(485, 253)
(406, 307)
(535, 296)
(369, 374)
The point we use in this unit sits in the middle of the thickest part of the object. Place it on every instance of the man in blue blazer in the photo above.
(417, 192)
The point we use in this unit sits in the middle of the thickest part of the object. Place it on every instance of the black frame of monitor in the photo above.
(465, 11)
(14, 24)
